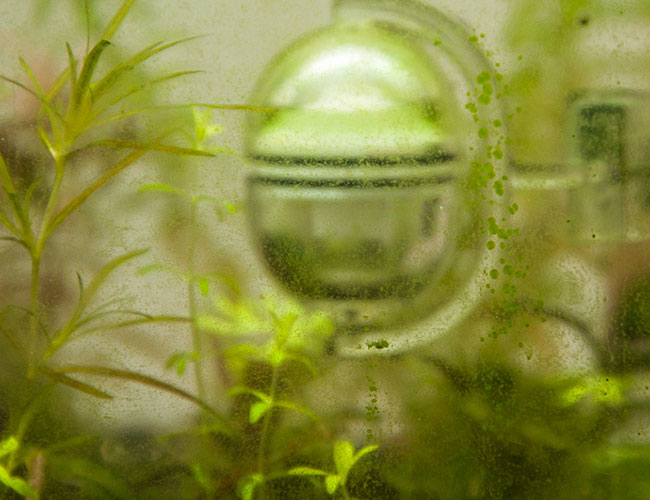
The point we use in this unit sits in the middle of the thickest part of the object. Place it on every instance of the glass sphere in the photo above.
(356, 196)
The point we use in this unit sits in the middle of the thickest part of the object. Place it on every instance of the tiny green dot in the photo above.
(483, 133)
(491, 245)
(494, 274)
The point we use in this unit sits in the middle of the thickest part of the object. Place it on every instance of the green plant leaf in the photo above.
(46, 141)
(332, 482)
(149, 146)
(29, 192)
(164, 268)
(204, 286)
(604, 389)
(232, 209)
(43, 99)
(143, 320)
(246, 486)
(74, 384)
(238, 390)
(82, 86)
(162, 188)
(105, 271)
(115, 22)
(283, 326)
(245, 351)
(168, 107)
(343, 457)
(80, 283)
(7, 446)
(235, 107)
(140, 379)
(4, 220)
(275, 355)
(306, 362)
(101, 181)
(214, 324)
(47, 96)
(257, 411)
(6, 182)
(204, 127)
(72, 64)
(57, 86)
(62, 336)
(364, 451)
(13, 340)
(234, 318)
(30, 74)
(290, 405)
(16, 240)
(17, 484)
(180, 360)
(199, 474)
(307, 471)
(151, 83)
(203, 198)
(104, 84)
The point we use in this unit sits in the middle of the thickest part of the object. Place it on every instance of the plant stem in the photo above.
(191, 293)
(36, 251)
(197, 338)
(266, 424)
(34, 307)
(45, 231)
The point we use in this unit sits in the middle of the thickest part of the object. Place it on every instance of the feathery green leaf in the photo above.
(140, 379)
(17, 484)
(117, 19)
(150, 146)
(257, 411)
(307, 471)
(82, 86)
(101, 87)
(73, 383)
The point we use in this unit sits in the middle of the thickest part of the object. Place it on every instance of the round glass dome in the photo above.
(356, 196)
(353, 91)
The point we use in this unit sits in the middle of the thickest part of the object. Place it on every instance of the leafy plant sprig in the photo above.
(8, 448)
(62, 124)
(345, 459)
(76, 114)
